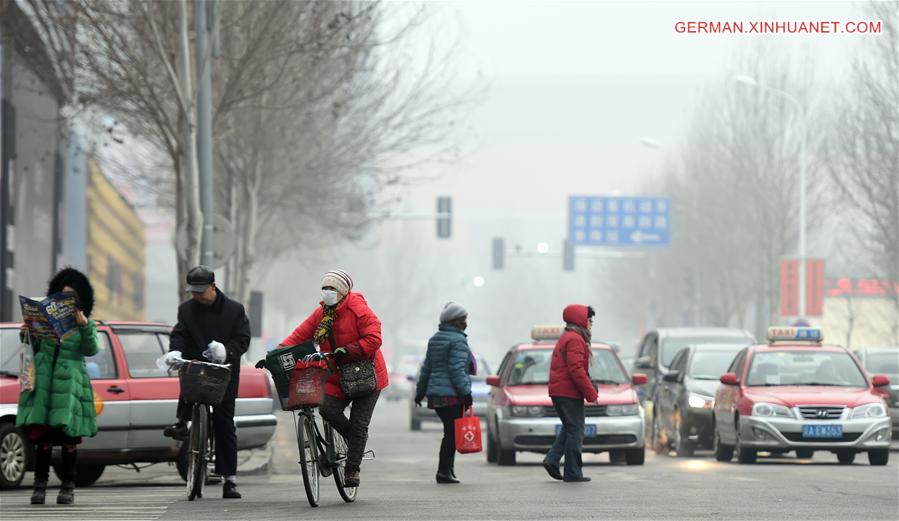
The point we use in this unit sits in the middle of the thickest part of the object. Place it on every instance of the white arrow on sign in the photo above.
(639, 237)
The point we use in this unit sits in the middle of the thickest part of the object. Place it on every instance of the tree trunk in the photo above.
(188, 189)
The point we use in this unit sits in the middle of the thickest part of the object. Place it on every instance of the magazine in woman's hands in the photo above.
(52, 318)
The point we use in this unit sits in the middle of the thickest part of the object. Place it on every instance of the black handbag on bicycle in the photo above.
(357, 377)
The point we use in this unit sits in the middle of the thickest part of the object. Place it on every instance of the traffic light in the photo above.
(499, 253)
(444, 217)
(567, 256)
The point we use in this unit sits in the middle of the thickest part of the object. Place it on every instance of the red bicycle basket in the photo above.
(307, 384)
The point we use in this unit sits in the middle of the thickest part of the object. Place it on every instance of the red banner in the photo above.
(814, 287)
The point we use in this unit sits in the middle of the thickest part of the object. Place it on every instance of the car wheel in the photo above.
(85, 474)
(617, 456)
(492, 450)
(504, 456)
(181, 462)
(682, 445)
(13, 456)
(805, 453)
(722, 452)
(744, 455)
(656, 435)
(879, 456)
(846, 457)
(635, 456)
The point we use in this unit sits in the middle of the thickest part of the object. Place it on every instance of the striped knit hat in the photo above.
(339, 280)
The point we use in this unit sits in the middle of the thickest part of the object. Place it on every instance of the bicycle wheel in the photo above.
(339, 451)
(196, 452)
(308, 457)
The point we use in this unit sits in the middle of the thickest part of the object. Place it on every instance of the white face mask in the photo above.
(330, 297)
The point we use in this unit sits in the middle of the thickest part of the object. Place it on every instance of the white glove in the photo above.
(216, 352)
(167, 360)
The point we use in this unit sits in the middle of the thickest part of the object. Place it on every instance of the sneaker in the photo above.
(582, 479)
(39, 496)
(66, 494)
(177, 431)
(229, 491)
(351, 478)
(552, 470)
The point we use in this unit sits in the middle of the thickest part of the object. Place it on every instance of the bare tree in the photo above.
(863, 150)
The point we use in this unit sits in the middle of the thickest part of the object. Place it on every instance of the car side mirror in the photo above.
(639, 379)
(644, 362)
(880, 380)
(672, 377)
(729, 379)
(493, 380)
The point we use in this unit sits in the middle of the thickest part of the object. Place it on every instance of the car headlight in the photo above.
(698, 401)
(525, 410)
(871, 410)
(771, 410)
(630, 409)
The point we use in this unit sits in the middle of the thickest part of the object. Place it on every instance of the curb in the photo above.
(258, 461)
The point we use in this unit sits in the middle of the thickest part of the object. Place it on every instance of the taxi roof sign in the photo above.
(547, 332)
(794, 334)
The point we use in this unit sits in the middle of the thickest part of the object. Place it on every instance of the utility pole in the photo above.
(203, 25)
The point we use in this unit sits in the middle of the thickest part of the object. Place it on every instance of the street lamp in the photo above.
(478, 281)
(750, 81)
(542, 248)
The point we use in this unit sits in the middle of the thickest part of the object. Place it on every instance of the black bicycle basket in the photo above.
(201, 383)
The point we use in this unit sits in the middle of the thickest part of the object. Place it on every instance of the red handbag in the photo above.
(468, 433)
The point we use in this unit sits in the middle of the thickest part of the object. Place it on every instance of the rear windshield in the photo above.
(532, 367)
(824, 368)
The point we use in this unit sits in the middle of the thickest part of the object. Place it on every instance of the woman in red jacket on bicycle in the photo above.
(569, 385)
(344, 325)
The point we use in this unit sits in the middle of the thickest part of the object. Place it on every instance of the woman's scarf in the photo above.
(324, 327)
(579, 330)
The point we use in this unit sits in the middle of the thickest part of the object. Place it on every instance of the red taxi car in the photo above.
(520, 415)
(135, 400)
(797, 394)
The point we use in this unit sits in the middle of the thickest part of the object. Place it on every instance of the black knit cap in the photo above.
(77, 281)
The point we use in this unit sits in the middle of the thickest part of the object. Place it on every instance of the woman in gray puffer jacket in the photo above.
(445, 380)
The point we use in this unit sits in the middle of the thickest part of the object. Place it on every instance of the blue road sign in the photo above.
(619, 221)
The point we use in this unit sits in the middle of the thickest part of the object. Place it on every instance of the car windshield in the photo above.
(883, 362)
(672, 346)
(710, 364)
(531, 367)
(825, 368)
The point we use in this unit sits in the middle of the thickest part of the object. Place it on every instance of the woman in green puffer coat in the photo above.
(60, 409)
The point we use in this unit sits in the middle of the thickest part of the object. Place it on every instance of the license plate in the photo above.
(589, 430)
(822, 431)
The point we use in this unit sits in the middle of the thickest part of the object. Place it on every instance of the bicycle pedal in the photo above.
(368, 455)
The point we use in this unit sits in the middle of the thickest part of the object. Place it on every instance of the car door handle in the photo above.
(115, 389)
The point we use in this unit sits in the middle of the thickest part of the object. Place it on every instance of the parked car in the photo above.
(135, 399)
(479, 392)
(885, 361)
(682, 414)
(521, 417)
(797, 394)
(401, 385)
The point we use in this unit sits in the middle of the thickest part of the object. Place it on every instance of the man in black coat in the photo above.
(210, 320)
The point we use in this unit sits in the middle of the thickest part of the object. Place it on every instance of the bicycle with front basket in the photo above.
(323, 451)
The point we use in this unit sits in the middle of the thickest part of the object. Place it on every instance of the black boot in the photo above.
(229, 490)
(177, 431)
(445, 478)
(351, 477)
(66, 493)
(39, 495)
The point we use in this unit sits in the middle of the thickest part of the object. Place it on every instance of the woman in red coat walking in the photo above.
(344, 325)
(569, 385)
